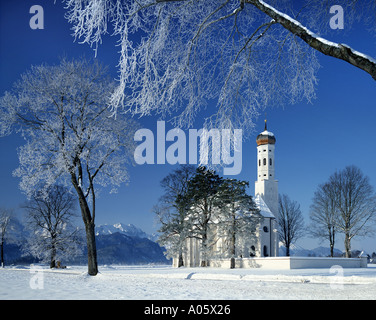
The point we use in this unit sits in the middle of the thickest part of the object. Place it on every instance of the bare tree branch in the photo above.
(329, 48)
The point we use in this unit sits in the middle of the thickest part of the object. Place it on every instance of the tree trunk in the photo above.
(89, 228)
(204, 252)
(2, 254)
(91, 249)
(331, 240)
(232, 263)
(181, 261)
(53, 255)
(287, 250)
(347, 245)
(232, 248)
(53, 251)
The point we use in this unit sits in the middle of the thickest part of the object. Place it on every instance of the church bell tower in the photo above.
(266, 186)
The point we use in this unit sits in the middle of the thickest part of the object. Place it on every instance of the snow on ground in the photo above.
(164, 282)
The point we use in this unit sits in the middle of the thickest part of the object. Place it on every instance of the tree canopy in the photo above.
(176, 57)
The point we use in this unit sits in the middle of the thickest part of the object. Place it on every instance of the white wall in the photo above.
(291, 262)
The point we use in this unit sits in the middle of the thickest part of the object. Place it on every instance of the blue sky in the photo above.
(313, 140)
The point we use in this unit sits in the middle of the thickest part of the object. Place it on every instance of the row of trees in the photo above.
(345, 204)
(195, 198)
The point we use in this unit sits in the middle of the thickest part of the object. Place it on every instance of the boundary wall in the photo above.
(291, 262)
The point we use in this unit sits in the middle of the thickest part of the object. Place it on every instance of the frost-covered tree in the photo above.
(237, 217)
(355, 202)
(50, 219)
(172, 211)
(344, 204)
(323, 215)
(201, 201)
(71, 139)
(290, 221)
(5, 218)
(245, 55)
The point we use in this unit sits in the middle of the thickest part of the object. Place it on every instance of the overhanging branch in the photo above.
(329, 48)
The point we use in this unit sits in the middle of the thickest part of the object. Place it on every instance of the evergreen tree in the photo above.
(238, 215)
(201, 199)
(172, 211)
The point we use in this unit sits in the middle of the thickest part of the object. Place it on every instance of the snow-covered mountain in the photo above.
(125, 244)
(296, 250)
(127, 229)
(116, 244)
(120, 248)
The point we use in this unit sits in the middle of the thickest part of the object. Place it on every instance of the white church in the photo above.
(261, 249)
(265, 244)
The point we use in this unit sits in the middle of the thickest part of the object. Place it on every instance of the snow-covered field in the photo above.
(164, 282)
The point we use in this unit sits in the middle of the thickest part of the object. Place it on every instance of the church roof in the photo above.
(265, 137)
(262, 206)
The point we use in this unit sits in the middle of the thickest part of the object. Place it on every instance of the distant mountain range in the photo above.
(129, 230)
(298, 251)
(116, 244)
(127, 244)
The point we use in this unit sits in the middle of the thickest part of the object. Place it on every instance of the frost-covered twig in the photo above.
(336, 50)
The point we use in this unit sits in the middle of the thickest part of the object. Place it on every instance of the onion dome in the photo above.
(265, 137)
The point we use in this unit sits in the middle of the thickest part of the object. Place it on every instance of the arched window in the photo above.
(265, 251)
(264, 161)
(259, 162)
(252, 251)
(265, 229)
(270, 161)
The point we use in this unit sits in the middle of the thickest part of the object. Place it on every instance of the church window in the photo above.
(265, 229)
(264, 161)
(270, 161)
(265, 251)
(259, 162)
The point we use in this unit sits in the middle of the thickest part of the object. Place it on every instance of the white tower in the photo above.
(267, 188)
